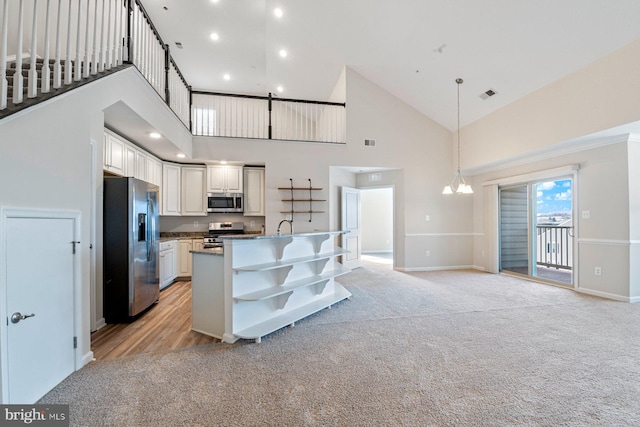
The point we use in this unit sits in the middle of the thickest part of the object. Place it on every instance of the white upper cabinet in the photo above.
(254, 192)
(114, 155)
(170, 189)
(194, 198)
(131, 155)
(224, 179)
(141, 167)
(153, 171)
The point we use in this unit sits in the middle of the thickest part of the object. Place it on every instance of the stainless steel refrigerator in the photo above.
(131, 233)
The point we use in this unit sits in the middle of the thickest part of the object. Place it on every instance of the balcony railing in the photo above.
(555, 246)
(90, 37)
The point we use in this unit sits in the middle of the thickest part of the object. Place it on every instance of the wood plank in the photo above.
(166, 326)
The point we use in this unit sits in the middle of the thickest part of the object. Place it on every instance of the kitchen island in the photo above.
(258, 284)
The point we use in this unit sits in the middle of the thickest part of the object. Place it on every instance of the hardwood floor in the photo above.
(166, 326)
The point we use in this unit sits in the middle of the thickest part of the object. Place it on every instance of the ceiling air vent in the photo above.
(488, 94)
(179, 45)
(370, 142)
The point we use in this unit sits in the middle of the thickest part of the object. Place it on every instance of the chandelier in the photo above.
(461, 187)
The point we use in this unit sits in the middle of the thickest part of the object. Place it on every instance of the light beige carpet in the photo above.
(422, 349)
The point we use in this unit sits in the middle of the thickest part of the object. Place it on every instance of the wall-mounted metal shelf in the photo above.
(293, 199)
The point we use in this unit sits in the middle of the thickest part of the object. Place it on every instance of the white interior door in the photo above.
(40, 272)
(351, 221)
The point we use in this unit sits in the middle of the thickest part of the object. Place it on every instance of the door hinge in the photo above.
(75, 342)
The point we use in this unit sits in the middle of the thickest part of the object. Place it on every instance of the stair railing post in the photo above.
(94, 56)
(109, 48)
(45, 84)
(117, 41)
(167, 64)
(57, 63)
(68, 66)
(32, 79)
(129, 41)
(4, 85)
(101, 51)
(78, 67)
(269, 109)
(18, 79)
(86, 70)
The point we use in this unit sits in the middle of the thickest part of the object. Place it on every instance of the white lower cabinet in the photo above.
(167, 255)
(184, 258)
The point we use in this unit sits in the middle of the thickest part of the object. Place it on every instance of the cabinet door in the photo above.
(197, 244)
(115, 155)
(234, 179)
(141, 166)
(193, 195)
(164, 268)
(216, 179)
(130, 161)
(170, 190)
(184, 257)
(253, 192)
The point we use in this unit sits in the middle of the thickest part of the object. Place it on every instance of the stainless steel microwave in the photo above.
(225, 202)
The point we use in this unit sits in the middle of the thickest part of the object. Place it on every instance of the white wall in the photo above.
(46, 158)
(377, 220)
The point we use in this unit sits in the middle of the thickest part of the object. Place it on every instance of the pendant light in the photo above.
(458, 181)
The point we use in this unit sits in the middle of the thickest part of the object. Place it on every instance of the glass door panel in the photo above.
(514, 229)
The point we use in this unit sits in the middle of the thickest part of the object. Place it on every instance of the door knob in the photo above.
(16, 317)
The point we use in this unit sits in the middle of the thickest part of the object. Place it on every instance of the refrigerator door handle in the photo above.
(151, 230)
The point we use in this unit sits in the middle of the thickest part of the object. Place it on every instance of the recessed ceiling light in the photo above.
(278, 12)
(226, 77)
(223, 162)
(180, 156)
(155, 135)
(214, 36)
(283, 53)
(279, 89)
(214, 1)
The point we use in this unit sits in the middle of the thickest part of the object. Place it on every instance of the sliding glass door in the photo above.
(536, 230)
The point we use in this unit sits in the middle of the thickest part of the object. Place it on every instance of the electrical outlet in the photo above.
(195, 224)
(428, 253)
(586, 214)
(253, 223)
(428, 218)
(598, 271)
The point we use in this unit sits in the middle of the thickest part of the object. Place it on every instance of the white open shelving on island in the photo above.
(264, 283)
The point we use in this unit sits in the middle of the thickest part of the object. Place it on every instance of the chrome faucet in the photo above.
(290, 225)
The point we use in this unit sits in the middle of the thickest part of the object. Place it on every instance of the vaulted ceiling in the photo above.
(415, 49)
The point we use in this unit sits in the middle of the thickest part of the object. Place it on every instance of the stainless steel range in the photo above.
(217, 229)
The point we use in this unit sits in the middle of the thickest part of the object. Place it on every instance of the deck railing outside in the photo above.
(555, 246)
(88, 37)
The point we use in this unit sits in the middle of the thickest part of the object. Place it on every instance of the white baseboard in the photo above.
(607, 295)
(100, 323)
(440, 268)
(87, 357)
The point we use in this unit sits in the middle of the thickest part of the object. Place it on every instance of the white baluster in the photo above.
(68, 69)
(4, 85)
(102, 50)
(87, 52)
(78, 67)
(45, 84)
(109, 43)
(57, 64)
(95, 56)
(18, 80)
(32, 82)
(116, 35)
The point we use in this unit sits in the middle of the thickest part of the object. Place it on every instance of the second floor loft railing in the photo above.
(267, 117)
(47, 46)
(555, 246)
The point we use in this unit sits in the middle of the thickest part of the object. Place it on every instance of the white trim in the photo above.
(549, 152)
(609, 242)
(554, 173)
(607, 295)
(478, 267)
(87, 357)
(443, 234)
(10, 212)
(440, 268)
(100, 323)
